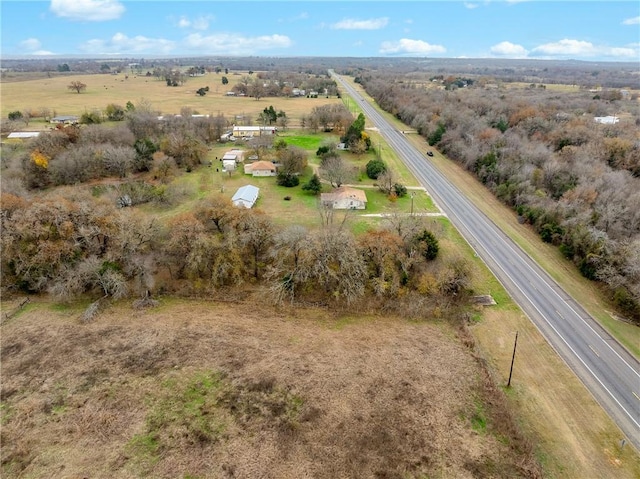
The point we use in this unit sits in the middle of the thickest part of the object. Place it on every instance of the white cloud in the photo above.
(509, 49)
(471, 6)
(121, 43)
(406, 46)
(567, 47)
(631, 21)
(229, 44)
(30, 44)
(579, 48)
(630, 52)
(350, 24)
(198, 23)
(88, 10)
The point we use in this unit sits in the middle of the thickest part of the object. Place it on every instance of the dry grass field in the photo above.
(103, 89)
(224, 389)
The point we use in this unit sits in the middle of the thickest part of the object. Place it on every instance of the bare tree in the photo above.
(292, 159)
(291, 248)
(386, 181)
(336, 266)
(256, 234)
(336, 171)
(77, 86)
(118, 160)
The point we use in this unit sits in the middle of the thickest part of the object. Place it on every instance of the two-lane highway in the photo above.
(608, 371)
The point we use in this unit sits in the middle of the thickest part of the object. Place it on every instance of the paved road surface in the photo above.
(606, 369)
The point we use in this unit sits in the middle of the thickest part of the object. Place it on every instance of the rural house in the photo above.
(251, 131)
(345, 198)
(64, 119)
(260, 168)
(246, 196)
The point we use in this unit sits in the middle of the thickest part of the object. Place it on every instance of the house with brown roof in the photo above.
(345, 198)
(260, 168)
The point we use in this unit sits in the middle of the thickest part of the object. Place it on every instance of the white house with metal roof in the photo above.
(246, 196)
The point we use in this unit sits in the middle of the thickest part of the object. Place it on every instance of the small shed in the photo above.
(246, 196)
(228, 165)
(345, 198)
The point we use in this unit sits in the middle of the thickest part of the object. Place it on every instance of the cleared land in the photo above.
(210, 389)
(52, 93)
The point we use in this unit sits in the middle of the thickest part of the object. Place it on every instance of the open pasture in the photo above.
(103, 89)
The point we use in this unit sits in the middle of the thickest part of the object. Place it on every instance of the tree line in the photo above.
(72, 244)
(576, 181)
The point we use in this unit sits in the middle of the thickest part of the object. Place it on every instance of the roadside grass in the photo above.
(575, 437)
(482, 280)
(393, 161)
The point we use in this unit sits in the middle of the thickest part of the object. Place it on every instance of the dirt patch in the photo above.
(193, 389)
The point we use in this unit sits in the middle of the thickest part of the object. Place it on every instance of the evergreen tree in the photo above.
(313, 185)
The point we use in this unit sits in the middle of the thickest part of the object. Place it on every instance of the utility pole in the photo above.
(515, 344)
(413, 193)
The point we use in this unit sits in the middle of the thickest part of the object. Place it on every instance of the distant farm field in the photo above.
(52, 93)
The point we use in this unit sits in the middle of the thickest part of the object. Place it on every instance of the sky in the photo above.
(537, 29)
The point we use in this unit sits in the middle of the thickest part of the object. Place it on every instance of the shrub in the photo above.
(375, 168)
(287, 179)
(400, 190)
(427, 244)
(114, 112)
(313, 185)
(90, 118)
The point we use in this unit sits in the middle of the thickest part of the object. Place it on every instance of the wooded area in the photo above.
(576, 180)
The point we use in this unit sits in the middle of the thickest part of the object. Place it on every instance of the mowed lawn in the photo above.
(103, 89)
